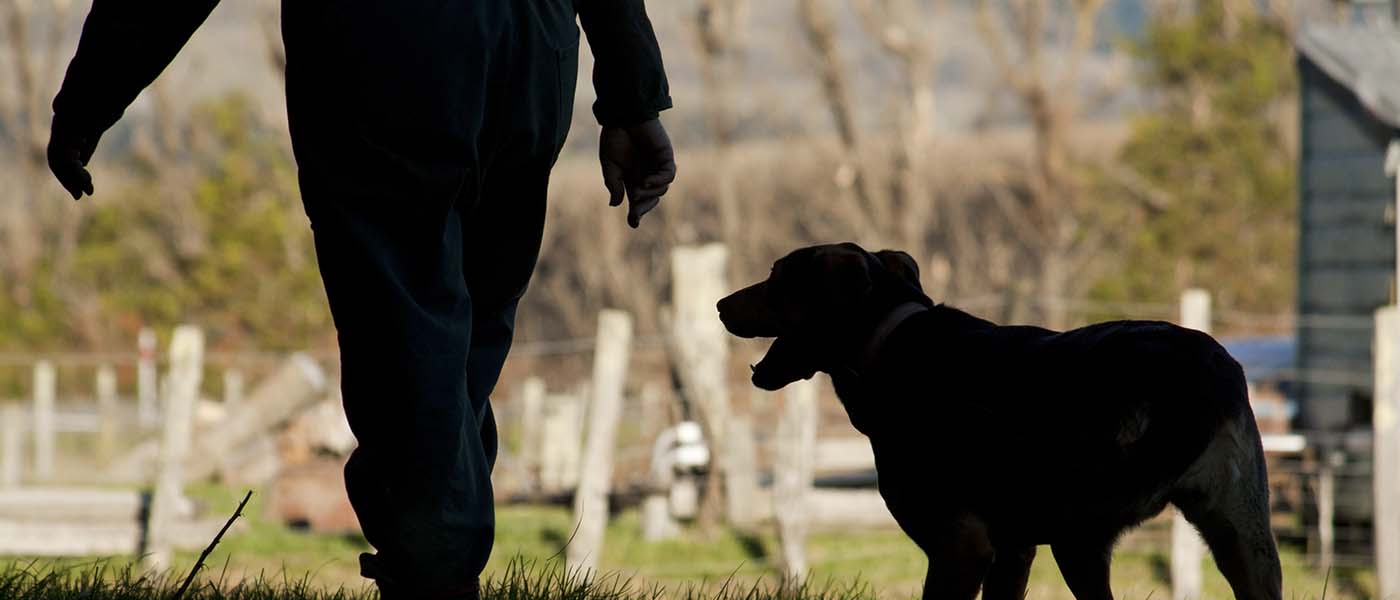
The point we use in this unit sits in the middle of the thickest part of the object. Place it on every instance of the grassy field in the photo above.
(263, 560)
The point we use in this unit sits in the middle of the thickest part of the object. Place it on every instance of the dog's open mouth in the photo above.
(786, 361)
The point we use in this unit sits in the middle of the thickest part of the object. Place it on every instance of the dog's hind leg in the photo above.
(1010, 572)
(1226, 496)
(958, 560)
(1085, 567)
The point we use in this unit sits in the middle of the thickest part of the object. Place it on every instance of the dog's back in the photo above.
(1042, 430)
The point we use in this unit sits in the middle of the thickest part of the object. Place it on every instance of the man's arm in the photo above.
(635, 152)
(627, 71)
(125, 44)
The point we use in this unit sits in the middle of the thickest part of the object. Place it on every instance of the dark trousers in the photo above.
(424, 165)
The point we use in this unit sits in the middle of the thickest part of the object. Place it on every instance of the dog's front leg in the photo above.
(958, 559)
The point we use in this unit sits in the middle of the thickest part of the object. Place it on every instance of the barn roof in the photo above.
(1364, 59)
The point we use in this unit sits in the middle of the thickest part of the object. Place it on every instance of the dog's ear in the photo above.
(844, 272)
(901, 264)
(787, 360)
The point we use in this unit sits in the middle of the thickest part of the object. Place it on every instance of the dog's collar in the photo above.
(887, 326)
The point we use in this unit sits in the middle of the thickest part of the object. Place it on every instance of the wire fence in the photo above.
(1296, 476)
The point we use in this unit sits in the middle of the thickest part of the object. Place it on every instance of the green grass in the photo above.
(261, 559)
(520, 580)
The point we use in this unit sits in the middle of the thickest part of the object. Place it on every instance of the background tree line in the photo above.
(1059, 195)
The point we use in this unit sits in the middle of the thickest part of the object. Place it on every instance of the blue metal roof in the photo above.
(1262, 357)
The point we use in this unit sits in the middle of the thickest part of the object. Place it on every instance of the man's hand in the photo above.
(69, 153)
(638, 162)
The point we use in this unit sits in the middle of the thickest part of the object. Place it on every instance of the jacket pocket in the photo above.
(567, 57)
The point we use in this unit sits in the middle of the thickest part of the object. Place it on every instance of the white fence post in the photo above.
(186, 371)
(1187, 547)
(11, 446)
(1386, 466)
(610, 359)
(559, 443)
(1328, 462)
(702, 346)
(792, 475)
(532, 395)
(147, 382)
(107, 427)
(741, 474)
(45, 384)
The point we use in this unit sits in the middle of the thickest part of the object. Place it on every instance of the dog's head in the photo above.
(815, 302)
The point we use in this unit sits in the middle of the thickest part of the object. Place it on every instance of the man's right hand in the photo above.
(639, 163)
(69, 153)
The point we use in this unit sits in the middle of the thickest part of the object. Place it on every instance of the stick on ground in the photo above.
(199, 564)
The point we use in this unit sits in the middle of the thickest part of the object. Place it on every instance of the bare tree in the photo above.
(720, 31)
(900, 28)
(1051, 221)
(34, 34)
(870, 210)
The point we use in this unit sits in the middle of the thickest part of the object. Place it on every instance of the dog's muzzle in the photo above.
(745, 314)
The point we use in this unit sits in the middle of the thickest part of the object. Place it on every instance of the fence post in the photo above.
(11, 445)
(792, 475)
(1386, 462)
(186, 370)
(702, 348)
(106, 413)
(1328, 462)
(559, 442)
(591, 498)
(532, 394)
(146, 378)
(45, 384)
(741, 476)
(1187, 547)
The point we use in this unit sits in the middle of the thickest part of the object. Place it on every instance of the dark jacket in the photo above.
(125, 44)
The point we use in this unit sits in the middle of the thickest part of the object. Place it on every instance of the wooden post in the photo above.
(1187, 547)
(1386, 462)
(186, 370)
(1328, 462)
(11, 446)
(559, 444)
(701, 346)
(610, 359)
(532, 394)
(741, 476)
(107, 425)
(233, 389)
(297, 385)
(657, 523)
(45, 383)
(792, 475)
(146, 378)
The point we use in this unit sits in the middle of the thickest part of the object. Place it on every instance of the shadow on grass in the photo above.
(752, 546)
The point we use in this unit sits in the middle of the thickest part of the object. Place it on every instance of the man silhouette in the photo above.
(424, 133)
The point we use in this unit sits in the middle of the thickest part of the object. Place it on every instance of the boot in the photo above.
(389, 589)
